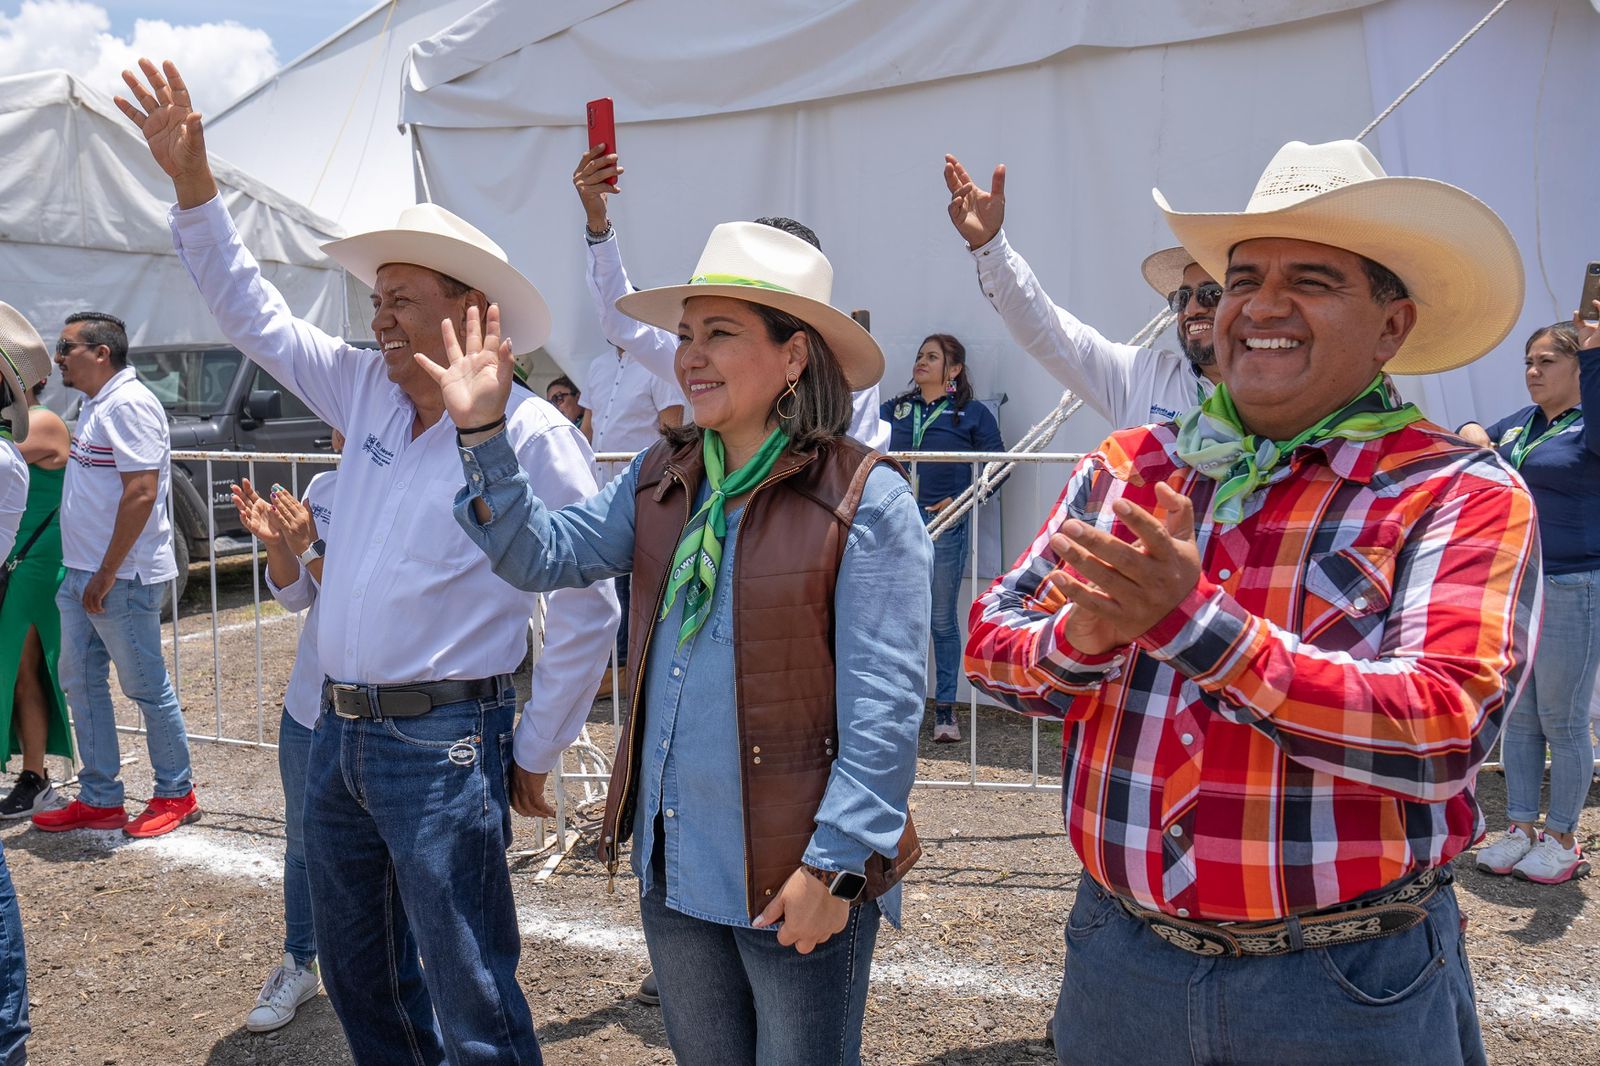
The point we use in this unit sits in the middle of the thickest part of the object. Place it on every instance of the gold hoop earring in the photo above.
(788, 394)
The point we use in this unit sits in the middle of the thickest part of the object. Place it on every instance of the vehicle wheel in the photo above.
(180, 554)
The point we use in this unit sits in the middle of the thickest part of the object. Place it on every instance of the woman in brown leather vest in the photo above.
(778, 648)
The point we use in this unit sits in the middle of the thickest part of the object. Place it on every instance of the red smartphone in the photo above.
(602, 127)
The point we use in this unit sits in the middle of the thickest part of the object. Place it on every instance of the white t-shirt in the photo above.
(121, 429)
(13, 494)
(303, 698)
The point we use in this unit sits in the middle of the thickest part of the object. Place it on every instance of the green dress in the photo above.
(31, 602)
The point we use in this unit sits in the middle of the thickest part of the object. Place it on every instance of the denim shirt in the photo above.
(689, 762)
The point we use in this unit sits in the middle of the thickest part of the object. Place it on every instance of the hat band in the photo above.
(735, 279)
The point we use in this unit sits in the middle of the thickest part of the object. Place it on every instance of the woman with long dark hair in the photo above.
(778, 648)
(938, 414)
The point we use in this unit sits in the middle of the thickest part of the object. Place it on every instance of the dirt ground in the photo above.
(152, 952)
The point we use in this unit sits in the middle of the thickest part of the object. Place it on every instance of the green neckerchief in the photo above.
(699, 553)
(1523, 445)
(1212, 439)
(919, 428)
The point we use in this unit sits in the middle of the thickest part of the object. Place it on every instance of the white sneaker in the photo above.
(1550, 864)
(287, 988)
(1503, 854)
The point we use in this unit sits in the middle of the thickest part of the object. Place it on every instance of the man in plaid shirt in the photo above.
(1283, 632)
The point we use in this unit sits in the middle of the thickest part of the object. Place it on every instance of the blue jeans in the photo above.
(1554, 706)
(732, 996)
(950, 559)
(1129, 996)
(406, 827)
(294, 750)
(127, 633)
(14, 1027)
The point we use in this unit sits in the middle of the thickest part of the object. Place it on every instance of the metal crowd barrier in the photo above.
(591, 769)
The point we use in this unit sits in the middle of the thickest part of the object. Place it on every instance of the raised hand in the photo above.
(1128, 587)
(172, 128)
(255, 514)
(477, 382)
(1588, 328)
(977, 214)
(595, 168)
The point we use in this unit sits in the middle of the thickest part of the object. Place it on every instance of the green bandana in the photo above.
(1213, 441)
(699, 553)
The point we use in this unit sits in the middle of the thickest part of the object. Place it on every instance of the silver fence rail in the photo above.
(589, 764)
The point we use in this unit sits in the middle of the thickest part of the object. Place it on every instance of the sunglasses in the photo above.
(1205, 295)
(63, 346)
(557, 397)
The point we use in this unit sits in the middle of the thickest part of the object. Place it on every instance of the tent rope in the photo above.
(355, 98)
(1044, 431)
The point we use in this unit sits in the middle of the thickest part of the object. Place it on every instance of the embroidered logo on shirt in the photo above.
(92, 454)
(375, 450)
(322, 513)
(1162, 414)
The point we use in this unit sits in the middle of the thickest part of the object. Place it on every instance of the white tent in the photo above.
(83, 222)
(838, 113)
(325, 129)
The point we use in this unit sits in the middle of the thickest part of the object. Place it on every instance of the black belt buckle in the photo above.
(350, 701)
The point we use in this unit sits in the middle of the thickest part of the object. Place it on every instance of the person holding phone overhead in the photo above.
(1552, 447)
(779, 629)
(939, 414)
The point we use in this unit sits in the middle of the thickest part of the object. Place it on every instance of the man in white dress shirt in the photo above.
(414, 763)
(656, 348)
(1124, 384)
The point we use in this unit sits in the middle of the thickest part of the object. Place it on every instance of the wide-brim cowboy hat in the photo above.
(1456, 258)
(429, 236)
(24, 362)
(1163, 270)
(764, 265)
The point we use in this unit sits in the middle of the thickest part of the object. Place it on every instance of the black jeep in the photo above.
(219, 401)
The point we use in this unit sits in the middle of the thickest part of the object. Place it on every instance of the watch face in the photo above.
(848, 886)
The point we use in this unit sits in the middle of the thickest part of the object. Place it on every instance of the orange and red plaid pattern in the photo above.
(1307, 725)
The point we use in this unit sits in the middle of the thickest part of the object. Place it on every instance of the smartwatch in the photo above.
(842, 884)
(313, 553)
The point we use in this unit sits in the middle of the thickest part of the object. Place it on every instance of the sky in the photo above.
(223, 47)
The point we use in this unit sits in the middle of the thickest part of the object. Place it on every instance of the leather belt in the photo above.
(1382, 915)
(406, 701)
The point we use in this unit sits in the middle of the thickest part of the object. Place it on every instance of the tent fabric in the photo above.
(840, 115)
(517, 64)
(83, 225)
(325, 129)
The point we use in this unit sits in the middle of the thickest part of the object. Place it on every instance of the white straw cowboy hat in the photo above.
(429, 236)
(24, 362)
(764, 265)
(1455, 256)
(1164, 269)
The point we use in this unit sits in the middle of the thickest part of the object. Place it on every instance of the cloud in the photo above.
(219, 60)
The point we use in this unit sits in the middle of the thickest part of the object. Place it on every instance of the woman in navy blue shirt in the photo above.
(1552, 448)
(938, 414)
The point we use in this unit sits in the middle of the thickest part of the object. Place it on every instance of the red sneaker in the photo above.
(79, 815)
(164, 815)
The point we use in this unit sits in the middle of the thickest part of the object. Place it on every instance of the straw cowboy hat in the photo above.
(1164, 269)
(764, 265)
(429, 236)
(1453, 253)
(24, 362)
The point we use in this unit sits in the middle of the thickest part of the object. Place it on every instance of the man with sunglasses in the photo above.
(116, 548)
(1126, 385)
